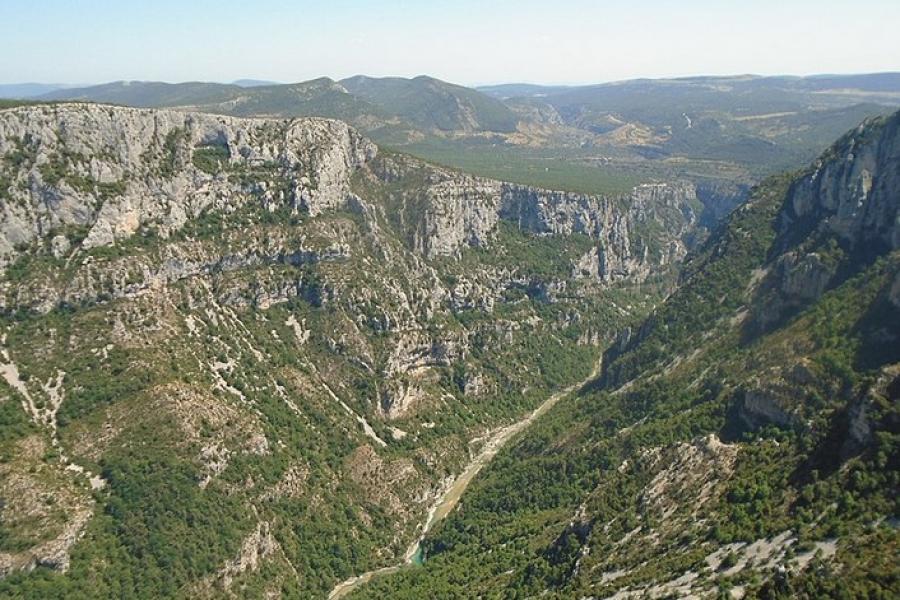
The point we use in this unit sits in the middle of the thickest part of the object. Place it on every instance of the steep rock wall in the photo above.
(112, 170)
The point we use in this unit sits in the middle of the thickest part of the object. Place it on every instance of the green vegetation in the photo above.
(111, 189)
(298, 385)
(208, 418)
(542, 258)
(11, 103)
(27, 264)
(63, 167)
(5, 184)
(14, 424)
(23, 156)
(169, 161)
(544, 169)
(620, 487)
(211, 159)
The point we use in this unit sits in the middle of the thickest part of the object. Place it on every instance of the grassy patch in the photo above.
(543, 169)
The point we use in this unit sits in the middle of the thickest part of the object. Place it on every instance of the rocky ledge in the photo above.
(100, 173)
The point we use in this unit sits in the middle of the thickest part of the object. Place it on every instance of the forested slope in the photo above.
(743, 440)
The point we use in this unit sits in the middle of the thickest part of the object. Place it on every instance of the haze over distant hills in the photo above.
(23, 91)
(422, 102)
(594, 138)
(29, 90)
(247, 83)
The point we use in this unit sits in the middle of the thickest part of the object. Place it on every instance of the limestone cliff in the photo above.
(634, 236)
(841, 213)
(850, 192)
(112, 170)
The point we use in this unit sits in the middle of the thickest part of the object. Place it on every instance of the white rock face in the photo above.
(644, 230)
(461, 212)
(852, 195)
(804, 277)
(113, 170)
(763, 405)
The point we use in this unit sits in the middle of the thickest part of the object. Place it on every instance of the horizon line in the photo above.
(263, 81)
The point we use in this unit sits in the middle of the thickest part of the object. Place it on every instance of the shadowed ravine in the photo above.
(447, 501)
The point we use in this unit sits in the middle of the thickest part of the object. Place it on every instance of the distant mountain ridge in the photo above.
(29, 90)
(872, 82)
(714, 130)
(422, 102)
(427, 103)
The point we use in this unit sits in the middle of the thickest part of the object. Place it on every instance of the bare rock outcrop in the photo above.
(635, 234)
(851, 190)
(111, 170)
(842, 212)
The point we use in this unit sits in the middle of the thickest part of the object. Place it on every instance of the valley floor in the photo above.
(448, 500)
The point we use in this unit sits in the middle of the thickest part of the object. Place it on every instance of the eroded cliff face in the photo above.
(86, 176)
(634, 236)
(285, 317)
(112, 170)
(851, 192)
(841, 213)
(467, 212)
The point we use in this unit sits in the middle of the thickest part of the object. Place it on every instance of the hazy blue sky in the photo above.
(466, 41)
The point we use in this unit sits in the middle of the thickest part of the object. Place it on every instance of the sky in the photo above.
(470, 42)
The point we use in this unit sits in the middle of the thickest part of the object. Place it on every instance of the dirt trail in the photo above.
(447, 501)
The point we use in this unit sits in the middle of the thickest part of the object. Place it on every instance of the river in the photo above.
(447, 501)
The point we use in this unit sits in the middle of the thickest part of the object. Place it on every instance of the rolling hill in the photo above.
(723, 133)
